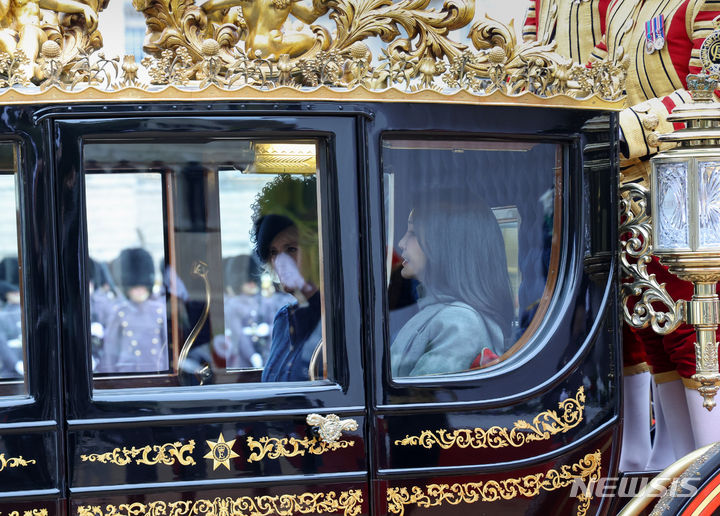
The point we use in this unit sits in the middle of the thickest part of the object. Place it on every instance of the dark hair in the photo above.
(465, 253)
(267, 228)
(286, 201)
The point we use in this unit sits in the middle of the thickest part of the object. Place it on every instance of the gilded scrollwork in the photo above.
(635, 255)
(348, 503)
(14, 462)
(168, 454)
(231, 44)
(434, 495)
(274, 448)
(543, 426)
(29, 512)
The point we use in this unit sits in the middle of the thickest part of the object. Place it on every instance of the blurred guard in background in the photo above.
(136, 333)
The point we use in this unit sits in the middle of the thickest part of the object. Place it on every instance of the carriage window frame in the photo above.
(109, 385)
(18, 387)
(524, 342)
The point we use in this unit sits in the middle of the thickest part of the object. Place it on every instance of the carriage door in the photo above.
(30, 417)
(211, 315)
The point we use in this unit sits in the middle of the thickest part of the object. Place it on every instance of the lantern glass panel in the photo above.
(672, 205)
(709, 203)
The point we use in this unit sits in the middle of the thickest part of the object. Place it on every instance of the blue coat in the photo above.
(296, 334)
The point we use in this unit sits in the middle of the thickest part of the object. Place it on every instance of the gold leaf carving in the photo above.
(543, 426)
(435, 495)
(635, 255)
(168, 454)
(14, 462)
(31, 512)
(427, 29)
(273, 448)
(349, 503)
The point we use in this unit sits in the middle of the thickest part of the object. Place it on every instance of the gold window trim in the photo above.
(543, 426)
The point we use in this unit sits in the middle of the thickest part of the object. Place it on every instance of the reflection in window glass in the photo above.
(127, 255)
(12, 362)
(469, 230)
(204, 263)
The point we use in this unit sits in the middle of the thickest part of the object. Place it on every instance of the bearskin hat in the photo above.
(136, 268)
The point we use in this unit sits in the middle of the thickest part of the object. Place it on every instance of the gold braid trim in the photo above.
(543, 426)
(586, 470)
(631, 370)
(349, 503)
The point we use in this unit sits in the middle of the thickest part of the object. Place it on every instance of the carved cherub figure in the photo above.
(20, 26)
(264, 20)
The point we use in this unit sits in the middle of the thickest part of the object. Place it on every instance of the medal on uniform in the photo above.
(659, 31)
(649, 36)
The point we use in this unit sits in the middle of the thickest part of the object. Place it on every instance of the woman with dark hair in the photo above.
(455, 249)
(286, 242)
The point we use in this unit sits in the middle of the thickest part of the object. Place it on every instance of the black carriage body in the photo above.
(70, 433)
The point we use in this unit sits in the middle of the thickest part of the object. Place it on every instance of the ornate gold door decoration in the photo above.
(330, 428)
(273, 447)
(348, 503)
(543, 426)
(435, 495)
(14, 462)
(221, 452)
(168, 454)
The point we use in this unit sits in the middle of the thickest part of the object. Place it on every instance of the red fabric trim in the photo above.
(669, 104)
(678, 44)
(603, 9)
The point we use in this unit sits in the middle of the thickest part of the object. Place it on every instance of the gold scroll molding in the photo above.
(348, 503)
(249, 93)
(168, 454)
(434, 495)
(543, 426)
(274, 448)
(31, 512)
(14, 462)
(235, 43)
(635, 255)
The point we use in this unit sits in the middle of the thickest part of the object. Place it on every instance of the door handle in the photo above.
(330, 428)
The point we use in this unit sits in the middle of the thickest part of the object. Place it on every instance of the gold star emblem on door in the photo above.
(221, 452)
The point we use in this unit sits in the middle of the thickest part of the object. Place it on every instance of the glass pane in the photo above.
(12, 340)
(672, 216)
(709, 203)
(205, 262)
(470, 227)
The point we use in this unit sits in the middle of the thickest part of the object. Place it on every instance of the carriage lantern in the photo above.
(685, 203)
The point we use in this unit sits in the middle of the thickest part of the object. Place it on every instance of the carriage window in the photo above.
(12, 361)
(204, 262)
(472, 247)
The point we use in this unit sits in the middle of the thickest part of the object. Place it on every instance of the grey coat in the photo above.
(445, 336)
